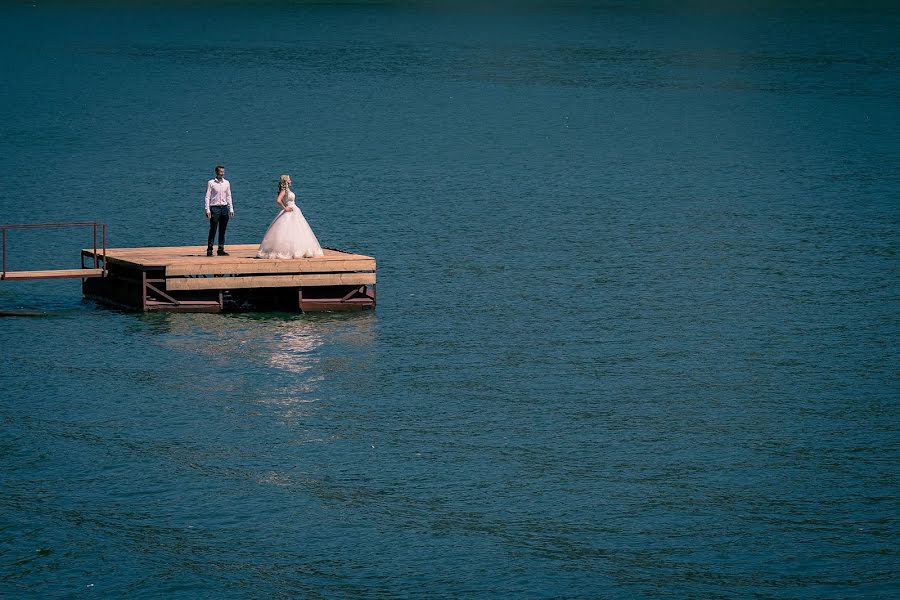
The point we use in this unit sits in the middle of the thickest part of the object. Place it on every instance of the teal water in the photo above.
(638, 302)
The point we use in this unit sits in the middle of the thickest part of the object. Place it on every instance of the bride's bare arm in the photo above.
(280, 203)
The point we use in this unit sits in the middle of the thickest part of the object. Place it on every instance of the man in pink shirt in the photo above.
(218, 209)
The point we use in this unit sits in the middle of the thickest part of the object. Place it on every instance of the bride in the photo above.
(289, 235)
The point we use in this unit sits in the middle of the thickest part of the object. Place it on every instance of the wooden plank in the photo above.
(261, 281)
(263, 266)
(237, 250)
(54, 274)
(188, 257)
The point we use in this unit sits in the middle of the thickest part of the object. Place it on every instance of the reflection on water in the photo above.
(279, 341)
(294, 402)
(274, 478)
(294, 348)
(274, 362)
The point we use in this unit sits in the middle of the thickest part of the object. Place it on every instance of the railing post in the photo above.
(104, 247)
(95, 244)
(4, 251)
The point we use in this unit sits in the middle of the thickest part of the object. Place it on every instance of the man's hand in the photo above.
(231, 214)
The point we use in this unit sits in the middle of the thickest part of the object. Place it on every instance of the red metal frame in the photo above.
(92, 224)
(359, 297)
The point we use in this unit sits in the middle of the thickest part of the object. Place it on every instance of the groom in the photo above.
(218, 209)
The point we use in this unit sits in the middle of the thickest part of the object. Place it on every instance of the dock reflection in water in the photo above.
(286, 356)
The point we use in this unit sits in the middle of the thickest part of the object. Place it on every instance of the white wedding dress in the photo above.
(289, 235)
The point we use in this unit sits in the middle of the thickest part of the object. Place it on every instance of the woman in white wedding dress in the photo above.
(289, 235)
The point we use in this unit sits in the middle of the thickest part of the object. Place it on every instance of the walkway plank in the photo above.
(53, 274)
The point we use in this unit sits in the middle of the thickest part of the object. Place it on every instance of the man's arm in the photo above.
(230, 204)
(206, 202)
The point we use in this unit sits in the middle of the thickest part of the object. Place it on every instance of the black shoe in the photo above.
(222, 253)
(209, 252)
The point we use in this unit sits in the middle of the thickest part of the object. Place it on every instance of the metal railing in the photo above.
(92, 224)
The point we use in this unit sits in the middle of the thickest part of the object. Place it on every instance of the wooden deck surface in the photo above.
(191, 260)
(188, 267)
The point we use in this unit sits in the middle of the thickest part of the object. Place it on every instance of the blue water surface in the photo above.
(637, 320)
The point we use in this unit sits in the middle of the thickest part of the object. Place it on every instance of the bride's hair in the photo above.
(282, 182)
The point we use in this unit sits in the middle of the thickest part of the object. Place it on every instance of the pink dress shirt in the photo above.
(218, 193)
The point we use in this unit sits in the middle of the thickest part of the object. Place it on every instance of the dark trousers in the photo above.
(218, 219)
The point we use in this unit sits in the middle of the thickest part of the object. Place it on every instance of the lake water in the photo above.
(638, 302)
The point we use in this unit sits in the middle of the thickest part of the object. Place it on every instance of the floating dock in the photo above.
(184, 279)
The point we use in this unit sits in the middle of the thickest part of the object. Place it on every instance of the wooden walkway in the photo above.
(82, 273)
(183, 278)
(52, 274)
